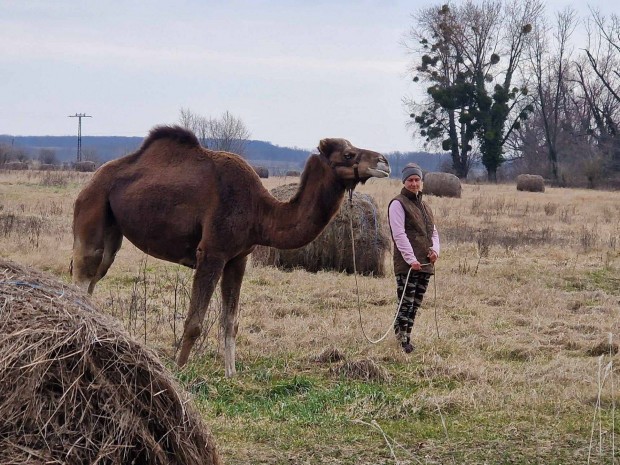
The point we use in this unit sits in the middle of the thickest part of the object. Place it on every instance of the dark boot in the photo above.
(407, 346)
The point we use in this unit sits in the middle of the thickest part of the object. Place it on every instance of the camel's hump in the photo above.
(174, 133)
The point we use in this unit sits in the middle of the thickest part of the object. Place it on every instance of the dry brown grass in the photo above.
(527, 293)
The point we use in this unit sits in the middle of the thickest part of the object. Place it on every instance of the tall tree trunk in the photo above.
(459, 159)
(553, 156)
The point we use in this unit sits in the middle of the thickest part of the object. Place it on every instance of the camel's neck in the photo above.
(293, 224)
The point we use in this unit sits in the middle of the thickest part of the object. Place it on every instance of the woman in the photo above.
(416, 248)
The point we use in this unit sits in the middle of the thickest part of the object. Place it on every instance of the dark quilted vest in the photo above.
(419, 224)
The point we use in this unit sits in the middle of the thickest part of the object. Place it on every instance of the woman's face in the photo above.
(413, 183)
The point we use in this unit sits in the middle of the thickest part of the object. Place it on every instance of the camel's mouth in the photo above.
(381, 171)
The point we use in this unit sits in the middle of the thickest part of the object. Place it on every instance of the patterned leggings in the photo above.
(414, 293)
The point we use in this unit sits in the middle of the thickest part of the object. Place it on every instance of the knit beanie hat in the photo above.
(409, 169)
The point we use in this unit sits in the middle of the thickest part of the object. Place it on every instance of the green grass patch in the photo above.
(301, 410)
(606, 279)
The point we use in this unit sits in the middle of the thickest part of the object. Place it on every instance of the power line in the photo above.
(79, 116)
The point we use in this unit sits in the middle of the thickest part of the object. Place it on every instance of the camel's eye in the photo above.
(348, 155)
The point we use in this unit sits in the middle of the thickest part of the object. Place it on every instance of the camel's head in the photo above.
(351, 164)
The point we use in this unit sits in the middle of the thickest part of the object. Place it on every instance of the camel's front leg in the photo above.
(208, 272)
(231, 287)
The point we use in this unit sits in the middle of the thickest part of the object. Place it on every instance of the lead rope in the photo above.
(359, 305)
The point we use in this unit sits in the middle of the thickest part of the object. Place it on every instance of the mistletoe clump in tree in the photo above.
(472, 96)
(445, 117)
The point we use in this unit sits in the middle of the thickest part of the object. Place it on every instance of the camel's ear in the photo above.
(324, 147)
(327, 146)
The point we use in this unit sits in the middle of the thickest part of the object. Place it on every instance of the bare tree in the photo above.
(598, 79)
(227, 133)
(5, 153)
(187, 118)
(496, 54)
(549, 61)
(48, 156)
(198, 124)
(602, 89)
(19, 154)
(90, 154)
(396, 161)
(604, 60)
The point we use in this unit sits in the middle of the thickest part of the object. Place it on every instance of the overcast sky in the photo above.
(294, 71)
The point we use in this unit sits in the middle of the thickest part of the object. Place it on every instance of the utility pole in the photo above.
(79, 116)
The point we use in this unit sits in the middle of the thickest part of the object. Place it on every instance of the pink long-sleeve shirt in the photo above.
(397, 224)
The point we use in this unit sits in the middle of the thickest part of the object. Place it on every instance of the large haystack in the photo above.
(261, 171)
(84, 166)
(76, 389)
(15, 165)
(332, 249)
(442, 185)
(530, 183)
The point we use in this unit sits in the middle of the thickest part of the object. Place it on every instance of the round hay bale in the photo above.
(332, 249)
(84, 166)
(15, 165)
(293, 173)
(364, 369)
(47, 167)
(261, 171)
(75, 388)
(530, 183)
(442, 185)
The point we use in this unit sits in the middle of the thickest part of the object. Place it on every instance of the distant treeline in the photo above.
(103, 148)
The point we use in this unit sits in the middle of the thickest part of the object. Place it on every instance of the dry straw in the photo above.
(364, 369)
(329, 355)
(75, 388)
(332, 249)
(530, 183)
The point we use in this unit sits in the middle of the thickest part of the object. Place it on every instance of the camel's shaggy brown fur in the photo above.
(76, 389)
(180, 202)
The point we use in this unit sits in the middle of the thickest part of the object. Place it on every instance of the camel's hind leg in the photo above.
(96, 239)
(231, 287)
(112, 240)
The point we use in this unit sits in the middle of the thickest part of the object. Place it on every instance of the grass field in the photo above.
(516, 344)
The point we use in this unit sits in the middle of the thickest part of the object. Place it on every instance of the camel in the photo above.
(178, 201)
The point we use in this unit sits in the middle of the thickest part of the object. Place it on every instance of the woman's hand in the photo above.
(416, 266)
(432, 256)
